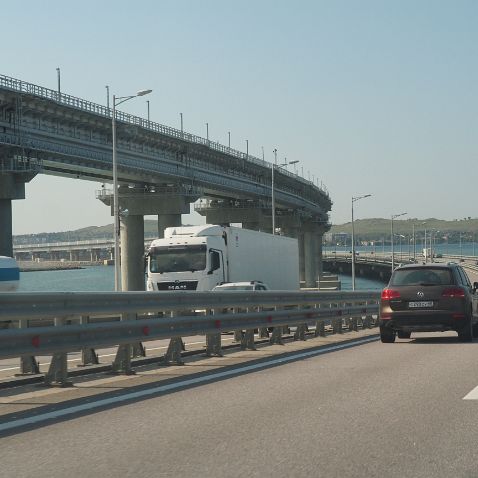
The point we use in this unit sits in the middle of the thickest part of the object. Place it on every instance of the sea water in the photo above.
(101, 279)
(89, 279)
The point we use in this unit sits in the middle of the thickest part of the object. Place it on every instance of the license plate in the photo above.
(418, 304)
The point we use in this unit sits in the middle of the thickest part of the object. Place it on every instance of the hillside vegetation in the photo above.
(365, 229)
(377, 228)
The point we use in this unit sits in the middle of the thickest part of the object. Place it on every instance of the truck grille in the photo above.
(178, 285)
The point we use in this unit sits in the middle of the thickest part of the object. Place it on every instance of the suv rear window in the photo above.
(422, 276)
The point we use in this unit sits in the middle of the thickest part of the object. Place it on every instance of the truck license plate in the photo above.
(418, 304)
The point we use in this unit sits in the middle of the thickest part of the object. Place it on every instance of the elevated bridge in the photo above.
(161, 171)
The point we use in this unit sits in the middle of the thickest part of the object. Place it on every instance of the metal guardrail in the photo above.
(146, 316)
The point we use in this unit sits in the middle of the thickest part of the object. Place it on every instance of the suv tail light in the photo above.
(453, 292)
(388, 294)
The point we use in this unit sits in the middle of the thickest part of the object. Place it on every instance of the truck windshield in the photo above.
(177, 258)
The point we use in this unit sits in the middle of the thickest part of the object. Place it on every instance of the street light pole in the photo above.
(353, 237)
(272, 193)
(182, 130)
(392, 237)
(274, 166)
(116, 212)
(58, 78)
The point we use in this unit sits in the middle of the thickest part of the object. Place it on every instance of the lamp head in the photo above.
(143, 92)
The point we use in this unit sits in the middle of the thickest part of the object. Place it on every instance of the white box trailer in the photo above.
(201, 257)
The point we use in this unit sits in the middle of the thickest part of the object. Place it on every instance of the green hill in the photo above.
(376, 228)
(365, 229)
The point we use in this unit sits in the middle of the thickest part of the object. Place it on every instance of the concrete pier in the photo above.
(12, 186)
(6, 245)
(132, 252)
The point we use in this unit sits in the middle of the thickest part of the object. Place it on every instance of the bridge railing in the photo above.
(84, 105)
(145, 316)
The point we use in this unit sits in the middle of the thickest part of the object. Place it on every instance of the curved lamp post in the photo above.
(278, 166)
(391, 235)
(354, 199)
(117, 100)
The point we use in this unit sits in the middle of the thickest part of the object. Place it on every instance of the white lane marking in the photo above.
(473, 395)
(42, 417)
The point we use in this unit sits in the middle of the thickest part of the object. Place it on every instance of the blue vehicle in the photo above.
(9, 274)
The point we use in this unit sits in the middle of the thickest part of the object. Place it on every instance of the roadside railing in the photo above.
(104, 111)
(57, 323)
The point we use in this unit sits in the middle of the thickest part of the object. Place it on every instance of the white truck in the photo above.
(201, 257)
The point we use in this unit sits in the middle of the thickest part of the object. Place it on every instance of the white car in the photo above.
(250, 285)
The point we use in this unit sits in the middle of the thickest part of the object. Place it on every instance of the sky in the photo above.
(370, 96)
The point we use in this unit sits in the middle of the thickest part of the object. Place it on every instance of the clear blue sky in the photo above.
(372, 97)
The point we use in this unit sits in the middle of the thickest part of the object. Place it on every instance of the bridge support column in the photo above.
(320, 268)
(12, 186)
(6, 243)
(132, 251)
(300, 239)
(310, 259)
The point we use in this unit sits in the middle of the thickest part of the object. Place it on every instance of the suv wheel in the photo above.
(387, 336)
(404, 335)
(466, 333)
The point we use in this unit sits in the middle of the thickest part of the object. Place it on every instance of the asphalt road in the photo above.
(388, 410)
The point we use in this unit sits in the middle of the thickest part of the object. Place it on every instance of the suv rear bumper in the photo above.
(432, 323)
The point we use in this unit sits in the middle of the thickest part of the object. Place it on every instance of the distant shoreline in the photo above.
(31, 266)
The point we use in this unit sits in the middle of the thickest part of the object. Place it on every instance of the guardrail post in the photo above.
(28, 363)
(122, 362)
(57, 375)
(320, 328)
(175, 347)
(338, 324)
(138, 350)
(263, 331)
(88, 355)
(247, 341)
(300, 332)
(237, 333)
(276, 336)
(173, 354)
(213, 341)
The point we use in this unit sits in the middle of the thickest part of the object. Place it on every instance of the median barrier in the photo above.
(168, 315)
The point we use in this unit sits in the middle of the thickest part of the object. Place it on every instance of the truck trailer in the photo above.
(201, 257)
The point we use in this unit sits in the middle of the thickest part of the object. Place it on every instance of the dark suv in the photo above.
(428, 298)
